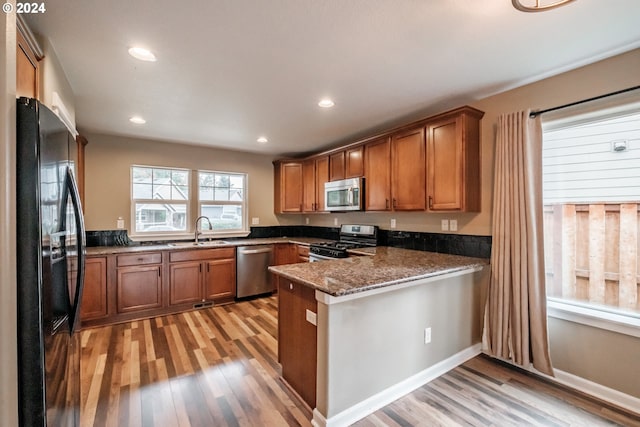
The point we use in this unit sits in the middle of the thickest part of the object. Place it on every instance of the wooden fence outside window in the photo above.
(592, 253)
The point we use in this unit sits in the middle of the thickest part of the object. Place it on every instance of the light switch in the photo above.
(335, 221)
(120, 223)
(453, 225)
(393, 223)
(444, 225)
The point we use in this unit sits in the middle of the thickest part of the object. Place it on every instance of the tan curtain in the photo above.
(516, 310)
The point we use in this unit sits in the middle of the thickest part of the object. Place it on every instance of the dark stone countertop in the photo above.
(378, 267)
(180, 246)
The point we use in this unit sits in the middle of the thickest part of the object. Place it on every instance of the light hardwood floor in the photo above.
(218, 367)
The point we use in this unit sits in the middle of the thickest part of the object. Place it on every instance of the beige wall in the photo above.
(8, 348)
(591, 353)
(54, 79)
(107, 178)
(604, 357)
(603, 77)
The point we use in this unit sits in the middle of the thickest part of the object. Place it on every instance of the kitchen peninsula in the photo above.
(371, 328)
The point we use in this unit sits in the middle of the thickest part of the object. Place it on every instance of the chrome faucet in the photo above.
(198, 232)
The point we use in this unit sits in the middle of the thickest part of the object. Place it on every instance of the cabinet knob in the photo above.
(430, 202)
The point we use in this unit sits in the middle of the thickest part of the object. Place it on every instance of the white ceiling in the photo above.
(229, 71)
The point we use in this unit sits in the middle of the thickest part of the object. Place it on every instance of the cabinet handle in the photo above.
(386, 203)
(290, 286)
(140, 259)
(430, 202)
(394, 203)
(207, 268)
(200, 268)
(159, 272)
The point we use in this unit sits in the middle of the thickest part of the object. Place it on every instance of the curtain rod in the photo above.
(595, 98)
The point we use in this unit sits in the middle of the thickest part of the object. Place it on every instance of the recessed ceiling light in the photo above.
(137, 120)
(326, 103)
(262, 140)
(142, 54)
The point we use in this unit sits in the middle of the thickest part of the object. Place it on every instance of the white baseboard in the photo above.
(599, 391)
(385, 397)
(615, 397)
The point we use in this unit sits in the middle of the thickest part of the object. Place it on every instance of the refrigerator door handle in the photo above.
(73, 192)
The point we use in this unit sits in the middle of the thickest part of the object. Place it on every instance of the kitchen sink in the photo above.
(205, 243)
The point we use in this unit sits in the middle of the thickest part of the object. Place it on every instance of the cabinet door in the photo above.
(185, 284)
(309, 186)
(220, 279)
(26, 69)
(354, 162)
(453, 153)
(336, 166)
(297, 343)
(288, 187)
(377, 168)
(445, 165)
(94, 294)
(322, 176)
(408, 175)
(139, 288)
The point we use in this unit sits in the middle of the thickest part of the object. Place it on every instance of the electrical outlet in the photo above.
(306, 221)
(427, 335)
(444, 225)
(311, 317)
(255, 221)
(453, 225)
(120, 223)
(335, 221)
(393, 223)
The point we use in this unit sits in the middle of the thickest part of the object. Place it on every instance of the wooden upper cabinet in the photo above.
(27, 78)
(288, 187)
(408, 170)
(354, 159)
(322, 176)
(347, 163)
(453, 153)
(377, 166)
(309, 185)
(315, 172)
(336, 166)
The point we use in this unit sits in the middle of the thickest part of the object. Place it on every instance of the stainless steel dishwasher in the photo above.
(252, 272)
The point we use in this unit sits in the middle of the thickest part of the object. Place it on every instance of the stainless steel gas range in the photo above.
(351, 236)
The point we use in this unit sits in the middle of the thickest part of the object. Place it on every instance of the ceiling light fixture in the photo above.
(538, 5)
(262, 140)
(137, 120)
(326, 103)
(142, 54)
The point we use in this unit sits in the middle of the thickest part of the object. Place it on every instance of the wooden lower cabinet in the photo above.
(94, 294)
(303, 253)
(220, 279)
(297, 338)
(202, 275)
(139, 288)
(185, 283)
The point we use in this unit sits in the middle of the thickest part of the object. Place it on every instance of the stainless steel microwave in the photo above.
(344, 195)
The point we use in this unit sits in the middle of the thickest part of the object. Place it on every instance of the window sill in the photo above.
(622, 324)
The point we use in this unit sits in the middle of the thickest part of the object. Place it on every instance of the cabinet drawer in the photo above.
(139, 259)
(303, 250)
(202, 254)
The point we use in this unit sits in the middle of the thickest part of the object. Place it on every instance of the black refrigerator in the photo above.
(50, 268)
